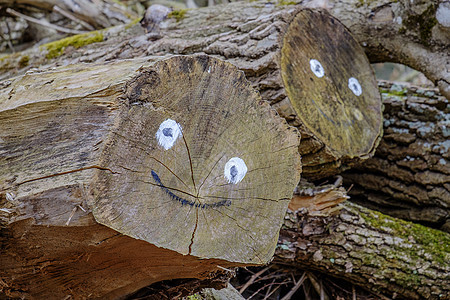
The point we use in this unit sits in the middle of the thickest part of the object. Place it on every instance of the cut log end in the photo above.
(333, 90)
(200, 164)
(176, 157)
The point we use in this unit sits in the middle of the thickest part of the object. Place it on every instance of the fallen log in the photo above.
(304, 62)
(409, 176)
(114, 176)
(389, 257)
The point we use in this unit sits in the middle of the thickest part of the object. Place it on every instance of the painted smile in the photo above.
(185, 201)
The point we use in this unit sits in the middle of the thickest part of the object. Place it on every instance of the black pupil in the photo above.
(355, 87)
(233, 172)
(317, 68)
(167, 132)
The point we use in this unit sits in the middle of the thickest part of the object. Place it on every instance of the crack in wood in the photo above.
(193, 232)
(67, 172)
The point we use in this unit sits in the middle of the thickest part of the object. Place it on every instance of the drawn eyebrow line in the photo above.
(185, 201)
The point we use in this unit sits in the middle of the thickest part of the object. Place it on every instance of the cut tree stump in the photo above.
(409, 176)
(304, 62)
(190, 171)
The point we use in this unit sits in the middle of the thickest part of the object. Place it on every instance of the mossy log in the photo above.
(305, 63)
(409, 176)
(114, 176)
(390, 257)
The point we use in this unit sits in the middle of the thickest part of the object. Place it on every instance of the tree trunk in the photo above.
(336, 106)
(190, 171)
(387, 256)
(409, 177)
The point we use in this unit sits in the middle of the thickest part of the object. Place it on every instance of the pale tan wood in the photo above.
(78, 146)
(220, 118)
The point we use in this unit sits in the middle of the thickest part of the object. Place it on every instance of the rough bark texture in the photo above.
(409, 177)
(256, 38)
(85, 144)
(415, 34)
(390, 257)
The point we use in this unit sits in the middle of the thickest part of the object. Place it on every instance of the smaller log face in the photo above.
(331, 85)
(201, 165)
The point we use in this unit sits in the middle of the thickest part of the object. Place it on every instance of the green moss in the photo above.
(435, 245)
(286, 2)
(12, 61)
(132, 23)
(120, 3)
(57, 48)
(422, 23)
(5, 62)
(178, 14)
(194, 297)
(435, 242)
(24, 61)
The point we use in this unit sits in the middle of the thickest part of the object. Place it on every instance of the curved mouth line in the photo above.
(184, 201)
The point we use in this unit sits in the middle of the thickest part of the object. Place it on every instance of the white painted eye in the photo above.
(168, 133)
(354, 86)
(316, 68)
(235, 170)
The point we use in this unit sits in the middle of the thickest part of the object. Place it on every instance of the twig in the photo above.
(260, 289)
(42, 23)
(295, 288)
(338, 181)
(322, 292)
(351, 186)
(9, 41)
(306, 292)
(269, 289)
(72, 17)
(316, 285)
(252, 279)
(71, 215)
(274, 290)
(225, 269)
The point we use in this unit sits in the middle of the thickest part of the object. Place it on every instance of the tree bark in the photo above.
(180, 160)
(390, 257)
(409, 177)
(263, 40)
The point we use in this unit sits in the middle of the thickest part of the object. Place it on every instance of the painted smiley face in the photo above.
(319, 71)
(234, 171)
